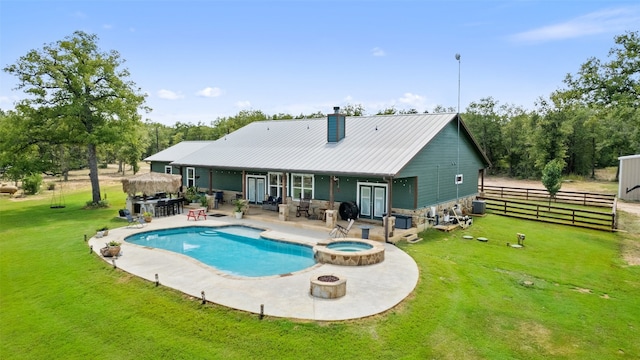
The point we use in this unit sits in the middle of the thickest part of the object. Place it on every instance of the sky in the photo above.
(201, 60)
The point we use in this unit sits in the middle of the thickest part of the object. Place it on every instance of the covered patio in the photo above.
(375, 229)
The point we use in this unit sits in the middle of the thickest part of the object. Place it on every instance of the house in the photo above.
(629, 179)
(382, 164)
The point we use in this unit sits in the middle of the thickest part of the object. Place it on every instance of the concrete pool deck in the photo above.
(371, 289)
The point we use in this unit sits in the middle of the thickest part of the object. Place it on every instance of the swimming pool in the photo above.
(235, 250)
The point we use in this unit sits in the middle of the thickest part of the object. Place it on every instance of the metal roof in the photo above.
(178, 151)
(373, 145)
(629, 157)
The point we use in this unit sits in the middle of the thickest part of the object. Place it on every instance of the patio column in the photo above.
(284, 188)
(244, 184)
(331, 182)
(210, 181)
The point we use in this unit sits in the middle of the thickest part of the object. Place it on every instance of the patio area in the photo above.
(371, 289)
(315, 222)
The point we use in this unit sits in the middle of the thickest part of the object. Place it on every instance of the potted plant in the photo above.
(112, 249)
(147, 216)
(240, 205)
(104, 230)
(204, 201)
(192, 194)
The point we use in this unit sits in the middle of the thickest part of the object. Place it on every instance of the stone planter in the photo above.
(328, 286)
(114, 250)
(110, 251)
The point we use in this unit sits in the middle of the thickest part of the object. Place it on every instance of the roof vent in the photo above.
(335, 126)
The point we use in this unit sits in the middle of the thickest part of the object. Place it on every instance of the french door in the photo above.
(256, 188)
(372, 200)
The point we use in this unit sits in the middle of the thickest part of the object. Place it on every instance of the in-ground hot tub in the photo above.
(349, 252)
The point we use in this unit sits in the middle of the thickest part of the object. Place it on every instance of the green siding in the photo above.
(159, 167)
(404, 191)
(230, 180)
(335, 127)
(436, 166)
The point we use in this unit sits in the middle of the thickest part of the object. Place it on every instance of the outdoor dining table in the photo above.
(195, 214)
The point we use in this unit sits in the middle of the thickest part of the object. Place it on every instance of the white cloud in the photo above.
(169, 95)
(210, 92)
(376, 51)
(5, 100)
(107, 26)
(412, 100)
(605, 21)
(243, 104)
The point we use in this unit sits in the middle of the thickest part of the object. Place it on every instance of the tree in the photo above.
(485, 122)
(353, 110)
(552, 177)
(388, 111)
(611, 91)
(77, 95)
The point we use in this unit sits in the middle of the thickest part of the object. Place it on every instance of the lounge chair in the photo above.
(341, 231)
(303, 208)
(137, 221)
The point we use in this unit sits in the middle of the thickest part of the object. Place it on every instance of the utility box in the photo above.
(403, 221)
(478, 207)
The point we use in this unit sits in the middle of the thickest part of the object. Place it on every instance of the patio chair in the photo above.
(303, 207)
(137, 221)
(341, 231)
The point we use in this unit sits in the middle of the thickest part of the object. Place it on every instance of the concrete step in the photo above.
(411, 238)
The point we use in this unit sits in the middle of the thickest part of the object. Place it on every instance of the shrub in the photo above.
(100, 204)
(31, 183)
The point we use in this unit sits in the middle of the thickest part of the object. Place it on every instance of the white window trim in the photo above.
(194, 176)
(458, 179)
(168, 169)
(279, 185)
(313, 185)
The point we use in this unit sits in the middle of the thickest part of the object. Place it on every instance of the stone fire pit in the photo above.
(328, 286)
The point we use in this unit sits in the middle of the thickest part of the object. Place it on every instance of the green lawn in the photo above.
(59, 301)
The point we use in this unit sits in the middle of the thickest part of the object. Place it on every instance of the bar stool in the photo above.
(161, 208)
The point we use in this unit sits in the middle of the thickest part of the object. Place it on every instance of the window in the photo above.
(458, 179)
(191, 177)
(275, 185)
(168, 169)
(302, 186)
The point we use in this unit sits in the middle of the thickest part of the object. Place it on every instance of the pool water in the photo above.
(235, 250)
(349, 246)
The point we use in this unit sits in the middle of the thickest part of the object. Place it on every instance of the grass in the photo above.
(59, 301)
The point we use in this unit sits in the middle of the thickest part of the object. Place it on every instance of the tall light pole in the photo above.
(458, 116)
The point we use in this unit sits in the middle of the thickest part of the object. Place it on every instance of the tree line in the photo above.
(82, 110)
